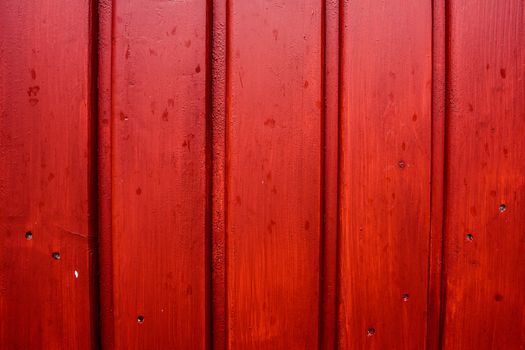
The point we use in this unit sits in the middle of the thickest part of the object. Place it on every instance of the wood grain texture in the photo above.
(485, 275)
(263, 174)
(46, 155)
(385, 174)
(159, 175)
(273, 186)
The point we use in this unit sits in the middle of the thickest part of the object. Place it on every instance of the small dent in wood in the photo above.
(270, 122)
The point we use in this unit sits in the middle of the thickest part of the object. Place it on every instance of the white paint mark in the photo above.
(76, 274)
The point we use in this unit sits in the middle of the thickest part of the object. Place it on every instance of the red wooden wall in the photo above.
(228, 174)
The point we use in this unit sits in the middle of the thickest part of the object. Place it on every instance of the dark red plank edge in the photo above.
(104, 61)
(217, 151)
(437, 175)
(329, 180)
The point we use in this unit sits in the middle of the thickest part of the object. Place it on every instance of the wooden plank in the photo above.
(159, 175)
(485, 272)
(385, 173)
(46, 159)
(273, 143)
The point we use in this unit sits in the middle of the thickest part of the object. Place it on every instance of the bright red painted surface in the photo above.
(46, 176)
(273, 172)
(386, 81)
(159, 174)
(231, 174)
(484, 280)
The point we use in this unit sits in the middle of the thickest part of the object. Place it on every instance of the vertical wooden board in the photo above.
(273, 173)
(45, 175)
(159, 174)
(485, 275)
(385, 174)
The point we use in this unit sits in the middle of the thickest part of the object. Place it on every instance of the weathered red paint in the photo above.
(273, 174)
(484, 278)
(386, 81)
(262, 174)
(46, 187)
(159, 175)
